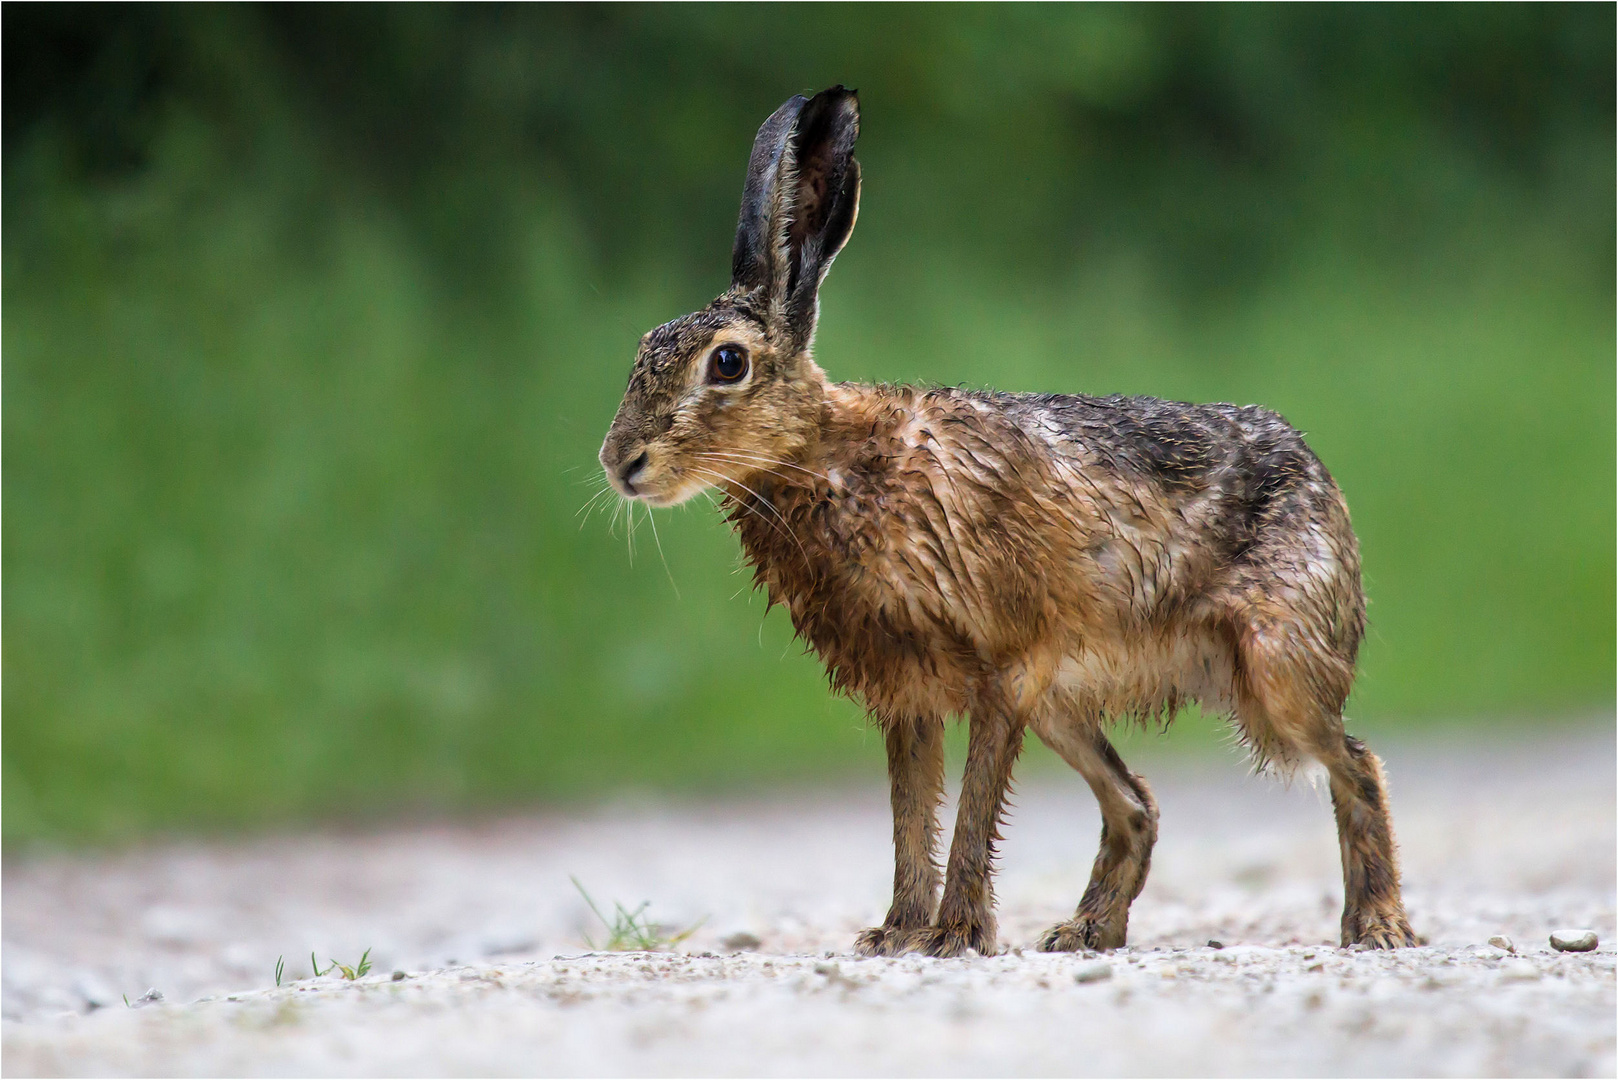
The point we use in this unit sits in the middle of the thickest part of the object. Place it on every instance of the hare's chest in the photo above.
(874, 605)
(880, 636)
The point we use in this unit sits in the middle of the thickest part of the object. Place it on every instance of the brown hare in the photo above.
(1032, 562)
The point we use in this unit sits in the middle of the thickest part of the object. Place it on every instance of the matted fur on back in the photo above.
(933, 536)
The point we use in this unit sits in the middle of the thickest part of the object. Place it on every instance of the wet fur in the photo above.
(1034, 563)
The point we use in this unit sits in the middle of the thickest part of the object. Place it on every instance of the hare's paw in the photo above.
(881, 941)
(1385, 931)
(952, 940)
(1082, 934)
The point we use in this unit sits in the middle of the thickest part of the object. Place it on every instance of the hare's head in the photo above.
(729, 390)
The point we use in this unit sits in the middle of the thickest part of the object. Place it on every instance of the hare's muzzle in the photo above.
(624, 468)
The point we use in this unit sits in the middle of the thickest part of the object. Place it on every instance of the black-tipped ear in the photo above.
(758, 230)
(801, 199)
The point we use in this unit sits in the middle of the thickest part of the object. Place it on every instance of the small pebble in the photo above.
(1096, 971)
(835, 976)
(93, 992)
(1215, 944)
(1500, 941)
(1574, 941)
(151, 997)
(399, 976)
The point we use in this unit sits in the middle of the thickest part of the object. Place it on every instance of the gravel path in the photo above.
(1511, 838)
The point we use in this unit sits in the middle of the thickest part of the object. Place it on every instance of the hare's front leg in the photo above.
(916, 779)
(966, 914)
(1128, 832)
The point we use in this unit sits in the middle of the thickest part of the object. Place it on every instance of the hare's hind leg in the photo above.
(916, 780)
(1128, 832)
(1373, 911)
(1289, 700)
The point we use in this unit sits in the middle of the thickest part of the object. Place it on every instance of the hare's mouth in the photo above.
(648, 478)
(682, 489)
(659, 492)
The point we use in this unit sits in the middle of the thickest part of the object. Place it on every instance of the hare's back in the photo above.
(1172, 443)
(1259, 528)
(1242, 473)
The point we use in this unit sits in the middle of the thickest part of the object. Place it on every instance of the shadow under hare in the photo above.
(1032, 562)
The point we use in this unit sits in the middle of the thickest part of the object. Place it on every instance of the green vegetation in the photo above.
(315, 318)
(630, 930)
(357, 970)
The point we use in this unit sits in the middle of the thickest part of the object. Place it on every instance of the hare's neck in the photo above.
(851, 446)
(806, 522)
(850, 420)
(857, 423)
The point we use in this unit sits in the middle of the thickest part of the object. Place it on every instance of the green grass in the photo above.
(292, 528)
(629, 930)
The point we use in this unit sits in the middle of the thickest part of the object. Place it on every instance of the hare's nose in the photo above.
(627, 472)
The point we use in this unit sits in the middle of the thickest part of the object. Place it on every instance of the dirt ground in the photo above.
(481, 965)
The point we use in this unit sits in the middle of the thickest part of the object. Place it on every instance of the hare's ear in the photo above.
(760, 231)
(799, 206)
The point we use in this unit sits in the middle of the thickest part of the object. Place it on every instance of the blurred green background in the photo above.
(314, 318)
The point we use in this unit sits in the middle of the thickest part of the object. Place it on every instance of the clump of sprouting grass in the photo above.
(359, 970)
(632, 931)
(348, 971)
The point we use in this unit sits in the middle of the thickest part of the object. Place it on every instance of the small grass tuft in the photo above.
(280, 968)
(359, 970)
(631, 931)
(347, 971)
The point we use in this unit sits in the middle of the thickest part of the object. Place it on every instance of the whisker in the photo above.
(783, 477)
(785, 528)
(651, 519)
(585, 520)
(776, 511)
(742, 455)
(745, 455)
(709, 496)
(629, 533)
(760, 468)
(761, 456)
(592, 502)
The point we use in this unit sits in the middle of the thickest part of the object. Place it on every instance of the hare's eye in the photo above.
(727, 364)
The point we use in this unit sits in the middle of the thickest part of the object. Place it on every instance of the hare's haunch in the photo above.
(1030, 562)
